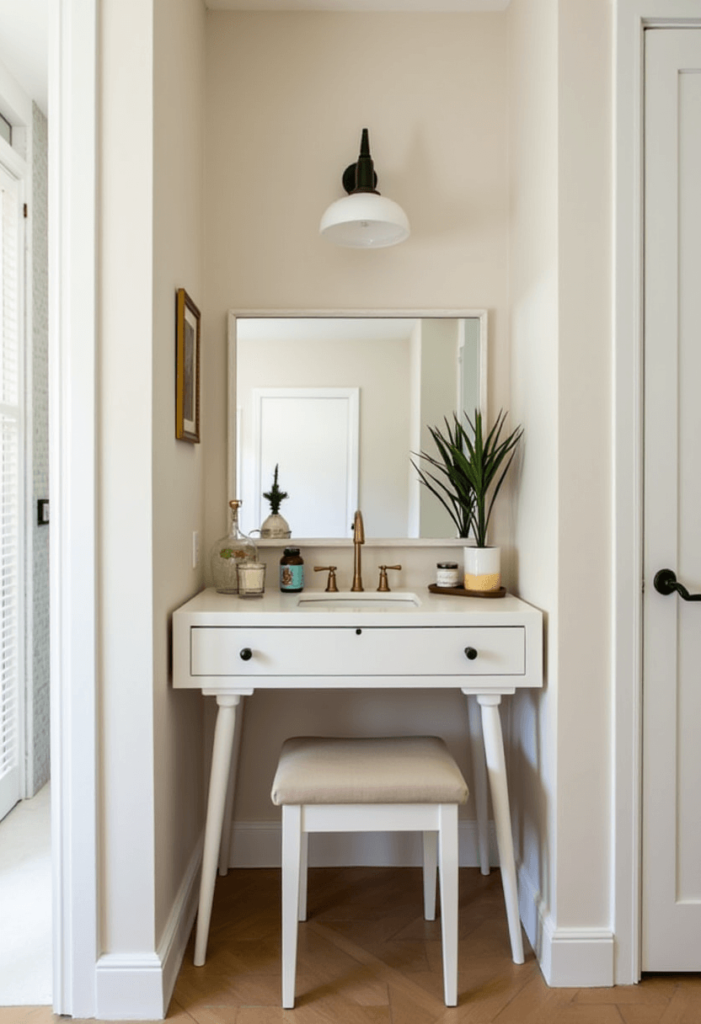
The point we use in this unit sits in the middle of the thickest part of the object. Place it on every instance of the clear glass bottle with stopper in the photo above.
(228, 552)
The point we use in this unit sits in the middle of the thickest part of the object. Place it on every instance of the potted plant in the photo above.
(448, 482)
(275, 525)
(471, 469)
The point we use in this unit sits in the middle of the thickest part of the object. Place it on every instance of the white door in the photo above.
(312, 434)
(671, 922)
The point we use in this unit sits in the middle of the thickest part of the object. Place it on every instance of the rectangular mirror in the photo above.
(339, 402)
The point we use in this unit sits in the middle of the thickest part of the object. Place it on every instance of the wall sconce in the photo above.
(364, 219)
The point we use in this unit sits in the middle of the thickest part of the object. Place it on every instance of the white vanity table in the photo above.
(228, 647)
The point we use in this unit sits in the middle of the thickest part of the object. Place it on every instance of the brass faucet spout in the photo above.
(358, 539)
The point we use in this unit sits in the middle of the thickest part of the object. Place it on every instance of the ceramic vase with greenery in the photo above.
(466, 477)
(275, 525)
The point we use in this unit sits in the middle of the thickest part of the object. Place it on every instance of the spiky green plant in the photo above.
(275, 496)
(448, 482)
(473, 467)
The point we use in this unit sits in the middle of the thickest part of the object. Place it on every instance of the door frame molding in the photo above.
(72, 386)
(632, 18)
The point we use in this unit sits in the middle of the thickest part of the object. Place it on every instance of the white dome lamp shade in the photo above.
(364, 219)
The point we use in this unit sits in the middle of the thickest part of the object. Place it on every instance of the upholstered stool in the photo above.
(397, 784)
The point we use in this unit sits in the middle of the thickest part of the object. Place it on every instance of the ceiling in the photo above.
(24, 45)
(24, 27)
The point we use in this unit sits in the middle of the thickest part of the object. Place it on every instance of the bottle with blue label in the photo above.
(291, 571)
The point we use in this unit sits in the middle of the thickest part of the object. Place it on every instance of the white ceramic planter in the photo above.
(482, 568)
(275, 526)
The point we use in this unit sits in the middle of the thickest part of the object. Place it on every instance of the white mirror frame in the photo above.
(435, 314)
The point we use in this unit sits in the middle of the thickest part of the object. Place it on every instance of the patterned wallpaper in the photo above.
(38, 771)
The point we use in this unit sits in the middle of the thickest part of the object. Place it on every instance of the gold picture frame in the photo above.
(187, 368)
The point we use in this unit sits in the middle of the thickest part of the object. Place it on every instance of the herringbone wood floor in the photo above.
(366, 956)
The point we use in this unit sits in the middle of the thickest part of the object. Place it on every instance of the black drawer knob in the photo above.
(470, 653)
(246, 654)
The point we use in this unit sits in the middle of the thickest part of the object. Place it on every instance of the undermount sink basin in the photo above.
(363, 601)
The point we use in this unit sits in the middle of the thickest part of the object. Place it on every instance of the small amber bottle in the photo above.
(291, 571)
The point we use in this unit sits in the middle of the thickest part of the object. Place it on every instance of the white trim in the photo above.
(15, 107)
(258, 844)
(72, 327)
(176, 934)
(129, 987)
(568, 957)
(577, 957)
(632, 17)
(134, 986)
(12, 160)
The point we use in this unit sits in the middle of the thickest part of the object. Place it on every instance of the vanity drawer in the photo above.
(349, 651)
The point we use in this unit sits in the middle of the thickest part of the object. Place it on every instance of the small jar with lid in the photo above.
(251, 577)
(447, 574)
(291, 571)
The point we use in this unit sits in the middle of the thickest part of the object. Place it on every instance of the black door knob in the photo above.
(246, 654)
(470, 653)
(665, 582)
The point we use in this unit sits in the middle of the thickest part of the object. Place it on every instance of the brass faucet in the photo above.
(358, 539)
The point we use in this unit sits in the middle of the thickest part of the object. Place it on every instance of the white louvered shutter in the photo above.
(10, 491)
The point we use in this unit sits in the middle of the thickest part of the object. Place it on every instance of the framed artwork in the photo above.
(187, 368)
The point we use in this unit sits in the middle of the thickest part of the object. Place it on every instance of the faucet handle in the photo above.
(384, 586)
(331, 587)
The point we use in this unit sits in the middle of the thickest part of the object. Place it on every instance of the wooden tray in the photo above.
(461, 592)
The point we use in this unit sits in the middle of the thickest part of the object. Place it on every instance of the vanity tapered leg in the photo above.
(219, 777)
(496, 770)
(479, 773)
(225, 847)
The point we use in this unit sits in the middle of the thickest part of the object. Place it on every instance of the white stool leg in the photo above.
(221, 763)
(448, 874)
(479, 774)
(303, 869)
(291, 860)
(496, 768)
(225, 846)
(430, 866)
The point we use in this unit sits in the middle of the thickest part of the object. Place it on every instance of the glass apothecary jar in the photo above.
(228, 552)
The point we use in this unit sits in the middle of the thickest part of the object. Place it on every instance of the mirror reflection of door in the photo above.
(411, 371)
(311, 434)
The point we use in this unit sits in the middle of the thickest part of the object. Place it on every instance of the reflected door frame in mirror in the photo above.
(233, 415)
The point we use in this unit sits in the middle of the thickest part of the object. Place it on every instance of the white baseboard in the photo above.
(139, 986)
(257, 844)
(568, 957)
(176, 933)
(129, 986)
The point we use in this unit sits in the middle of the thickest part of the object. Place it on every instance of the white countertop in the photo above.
(283, 609)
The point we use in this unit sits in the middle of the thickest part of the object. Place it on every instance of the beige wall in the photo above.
(151, 486)
(178, 467)
(125, 613)
(287, 97)
(561, 377)
(584, 550)
(534, 402)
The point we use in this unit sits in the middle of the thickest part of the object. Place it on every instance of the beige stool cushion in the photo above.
(384, 770)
